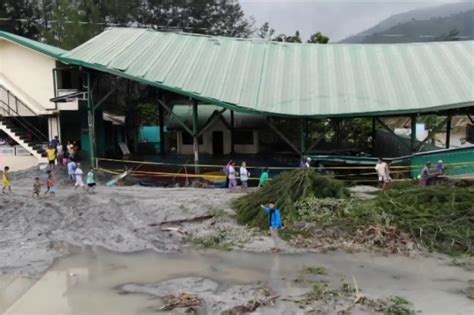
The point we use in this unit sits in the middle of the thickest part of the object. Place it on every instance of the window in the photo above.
(188, 139)
(243, 137)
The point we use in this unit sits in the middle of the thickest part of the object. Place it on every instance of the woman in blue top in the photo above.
(274, 223)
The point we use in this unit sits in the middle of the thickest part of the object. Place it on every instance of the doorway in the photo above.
(218, 143)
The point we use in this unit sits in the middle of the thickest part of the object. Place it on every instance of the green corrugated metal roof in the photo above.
(48, 50)
(290, 79)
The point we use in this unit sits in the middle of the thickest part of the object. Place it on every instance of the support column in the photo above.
(54, 127)
(302, 137)
(195, 137)
(413, 134)
(232, 146)
(448, 131)
(91, 122)
(374, 133)
(161, 119)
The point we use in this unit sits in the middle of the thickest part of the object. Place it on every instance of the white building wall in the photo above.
(206, 147)
(30, 72)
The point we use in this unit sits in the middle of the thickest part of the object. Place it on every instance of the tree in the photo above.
(23, 15)
(295, 38)
(209, 17)
(75, 22)
(318, 38)
(265, 32)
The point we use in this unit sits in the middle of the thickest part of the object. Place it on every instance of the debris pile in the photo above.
(389, 238)
(183, 300)
(438, 218)
(287, 189)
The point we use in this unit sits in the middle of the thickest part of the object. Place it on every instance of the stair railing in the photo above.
(14, 112)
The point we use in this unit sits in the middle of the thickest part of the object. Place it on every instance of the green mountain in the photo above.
(434, 23)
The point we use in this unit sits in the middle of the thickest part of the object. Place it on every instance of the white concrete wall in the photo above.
(206, 147)
(29, 71)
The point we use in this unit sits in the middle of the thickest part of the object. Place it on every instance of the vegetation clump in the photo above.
(287, 189)
(438, 218)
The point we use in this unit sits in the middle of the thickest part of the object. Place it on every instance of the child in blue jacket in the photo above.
(274, 223)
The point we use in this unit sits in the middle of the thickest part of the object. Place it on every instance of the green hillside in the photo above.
(455, 27)
(408, 21)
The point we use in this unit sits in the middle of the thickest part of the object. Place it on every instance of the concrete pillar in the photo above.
(54, 127)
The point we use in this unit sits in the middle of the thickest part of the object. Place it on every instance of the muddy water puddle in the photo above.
(86, 282)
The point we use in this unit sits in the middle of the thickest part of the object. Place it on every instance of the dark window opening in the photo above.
(243, 137)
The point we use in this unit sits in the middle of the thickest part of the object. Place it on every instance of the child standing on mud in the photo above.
(79, 181)
(51, 185)
(48, 173)
(6, 180)
(274, 222)
(90, 181)
(36, 188)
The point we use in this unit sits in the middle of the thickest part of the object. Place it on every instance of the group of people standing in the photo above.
(57, 156)
(231, 175)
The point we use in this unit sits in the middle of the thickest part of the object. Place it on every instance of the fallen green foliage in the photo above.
(439, 218)
(286, 189)
(315, 270)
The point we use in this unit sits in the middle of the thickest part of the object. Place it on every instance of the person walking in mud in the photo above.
(232, 177)
(36, 188)
(51, 152)
(79, 181)
(244, 177)
(71, 169)
(226, 172)
(263, 178)
(6, 180)
(48, 174)
(90, 180)
(275, 223)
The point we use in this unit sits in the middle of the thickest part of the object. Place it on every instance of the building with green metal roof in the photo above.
(289, 79)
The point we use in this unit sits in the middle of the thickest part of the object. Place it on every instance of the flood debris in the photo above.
(346, 299)
(182, 300)
(254, 304)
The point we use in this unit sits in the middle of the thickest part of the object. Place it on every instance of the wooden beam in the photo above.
(105, 98)
(281, 135)
(178, 119)
(215, 117)
(315, 143)
(391, 132)
(433, 131)
(470, 118)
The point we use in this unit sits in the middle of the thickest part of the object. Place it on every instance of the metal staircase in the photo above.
(12, 121)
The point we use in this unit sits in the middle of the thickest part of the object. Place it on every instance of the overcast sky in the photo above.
(337, 19)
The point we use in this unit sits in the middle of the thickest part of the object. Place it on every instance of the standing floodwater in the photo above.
(93, 281)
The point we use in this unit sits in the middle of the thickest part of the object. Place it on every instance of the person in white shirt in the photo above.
(244, 176)
(383, 172)
(78, 173)
(380, 167)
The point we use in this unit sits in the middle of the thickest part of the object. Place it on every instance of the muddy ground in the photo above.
(123, 219)
(34, 233)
